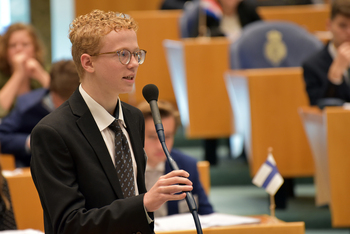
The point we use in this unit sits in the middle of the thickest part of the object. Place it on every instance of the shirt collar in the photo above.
(102, 118)
(120, 113)
(332, 50)
(160, 167)
(48, 102)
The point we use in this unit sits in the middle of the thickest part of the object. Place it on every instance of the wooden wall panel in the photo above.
(312, 17)
(85, 6)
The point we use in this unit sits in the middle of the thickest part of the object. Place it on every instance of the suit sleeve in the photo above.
(12, 140)
(55, 176)
(317, 83)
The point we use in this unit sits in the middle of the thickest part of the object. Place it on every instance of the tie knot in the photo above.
(115, 125)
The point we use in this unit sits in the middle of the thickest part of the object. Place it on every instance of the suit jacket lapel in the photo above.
(88, 126)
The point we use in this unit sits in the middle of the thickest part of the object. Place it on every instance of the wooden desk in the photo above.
(204, 175)
(7, 162)
(197, 66)
(85, 6)
(267, 226)
(328, 132)
(265, 104)
(29, 214)
(312, 17)
(25, 201)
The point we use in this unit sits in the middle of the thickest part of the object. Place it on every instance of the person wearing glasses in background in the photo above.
(31, 107)
(157, 164)
(88, 162)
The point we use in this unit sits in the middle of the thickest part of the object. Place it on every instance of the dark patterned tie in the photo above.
(123, 161)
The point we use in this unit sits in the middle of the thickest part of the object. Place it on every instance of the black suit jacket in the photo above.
(316, 79)
(75, 176)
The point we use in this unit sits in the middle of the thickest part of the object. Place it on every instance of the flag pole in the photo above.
(202, 21)
(272, 206)
(272, 197)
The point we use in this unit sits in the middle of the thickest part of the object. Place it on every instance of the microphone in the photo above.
(150, 92)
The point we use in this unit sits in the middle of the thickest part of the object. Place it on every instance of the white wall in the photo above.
(12, 11)
(62, 14)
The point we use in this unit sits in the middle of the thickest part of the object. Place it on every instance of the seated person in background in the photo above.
(157, 164)
(235, 15)
(326, 73)
(7, 218)
(21, 64)
(15, 128)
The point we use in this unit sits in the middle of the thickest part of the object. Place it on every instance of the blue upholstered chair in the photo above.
(189, 19)
(266, 44)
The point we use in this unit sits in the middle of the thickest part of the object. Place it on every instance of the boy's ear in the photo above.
(86, 62)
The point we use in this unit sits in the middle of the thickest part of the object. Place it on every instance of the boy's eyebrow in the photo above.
(124, 48)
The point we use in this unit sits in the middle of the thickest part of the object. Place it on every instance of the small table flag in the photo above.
(268, 176)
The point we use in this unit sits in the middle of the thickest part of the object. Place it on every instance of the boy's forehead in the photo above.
(114, 36)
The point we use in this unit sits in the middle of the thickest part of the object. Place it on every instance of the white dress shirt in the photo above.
(151, 176)
(103, 119)
(231, 27)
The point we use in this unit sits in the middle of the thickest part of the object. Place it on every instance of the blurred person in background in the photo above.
(233, 16)
(326, 73)
(157, 164)
(21, 64)
(16, 127)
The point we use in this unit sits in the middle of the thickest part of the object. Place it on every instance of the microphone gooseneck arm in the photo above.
(150, 92)
(173, 165)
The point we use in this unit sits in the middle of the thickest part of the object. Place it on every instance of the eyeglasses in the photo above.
(125, 55)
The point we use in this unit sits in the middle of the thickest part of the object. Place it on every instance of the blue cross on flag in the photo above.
(268, 176)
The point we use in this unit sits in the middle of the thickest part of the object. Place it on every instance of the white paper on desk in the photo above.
(25, 231)
(15, 172)
(186, 222)
(346, 105)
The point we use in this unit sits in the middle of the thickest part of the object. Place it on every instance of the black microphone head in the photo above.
(150, 92)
